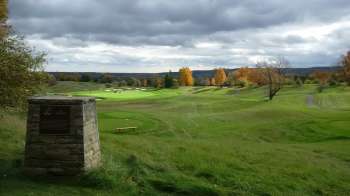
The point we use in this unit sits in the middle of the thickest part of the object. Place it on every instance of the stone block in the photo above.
(62, 136)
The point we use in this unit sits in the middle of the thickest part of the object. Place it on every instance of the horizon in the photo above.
(157, 36)
(176, 71)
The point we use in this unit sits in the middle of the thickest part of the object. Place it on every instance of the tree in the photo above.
(206, 81)
(144, 83)
(21, 71)
(346, 67)
(231, 78)
(3, 18)
(51, 81)
(158, 83)
(220, 76)
(256, 77)
(323, 78)
(185, 78)
(85, 78)
(122, 83)
(168, 81)
(106, 78)
(298, 81)
(273, 72)
(203, 81)
(241, 76)
(212, 82)
(175, 83)
(133, 82)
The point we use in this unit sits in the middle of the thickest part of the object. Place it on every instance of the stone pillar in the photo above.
(62, 136)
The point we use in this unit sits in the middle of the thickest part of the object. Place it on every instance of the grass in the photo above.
(204, 141)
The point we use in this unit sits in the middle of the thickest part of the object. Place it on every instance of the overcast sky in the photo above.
(158, 35)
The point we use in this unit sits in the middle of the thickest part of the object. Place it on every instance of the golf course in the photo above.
(201, 141)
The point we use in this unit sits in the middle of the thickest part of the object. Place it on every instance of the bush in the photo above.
(299, 82)
(241, 83)
(333, 82)
(309, 81)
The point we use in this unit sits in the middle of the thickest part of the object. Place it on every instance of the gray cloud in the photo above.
(110, 19)
(242, 29)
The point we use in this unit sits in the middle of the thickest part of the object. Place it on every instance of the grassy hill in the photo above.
(203, 141)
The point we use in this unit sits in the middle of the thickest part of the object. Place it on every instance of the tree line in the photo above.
(270, 72)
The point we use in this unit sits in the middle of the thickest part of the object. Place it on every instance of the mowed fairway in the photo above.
(206, 141)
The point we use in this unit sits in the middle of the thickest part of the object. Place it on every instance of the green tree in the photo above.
(85, 78)
(323, 78)
(106, 78)
(168, 81)
(346, 67)
(21, 71)
(3, 18)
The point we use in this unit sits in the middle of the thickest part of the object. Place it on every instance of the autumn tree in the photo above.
(212, 82)
(220, 77)
(3, 18)
(241, 76)
(323, 78)
(346, 67)
(256, 77)
(185, 76)
(273, 72)
(144, 83)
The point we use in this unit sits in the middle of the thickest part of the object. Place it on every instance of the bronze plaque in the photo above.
(54, 119)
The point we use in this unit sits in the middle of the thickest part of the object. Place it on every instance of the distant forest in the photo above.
(196, 73)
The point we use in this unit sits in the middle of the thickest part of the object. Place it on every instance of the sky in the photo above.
(162, 35)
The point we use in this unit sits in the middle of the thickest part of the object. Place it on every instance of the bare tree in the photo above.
(273, 70)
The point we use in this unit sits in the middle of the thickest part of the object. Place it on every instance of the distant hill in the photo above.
(197, 73)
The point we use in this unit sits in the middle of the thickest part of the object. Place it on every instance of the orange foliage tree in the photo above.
(220, 76)
(246, 76)
(255, 76)
(185, 78)
(241, 75)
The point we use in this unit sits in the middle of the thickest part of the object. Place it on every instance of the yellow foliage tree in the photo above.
(220, 76)
(185, 78)
(3, 17)
(212, 82)
(241, 75)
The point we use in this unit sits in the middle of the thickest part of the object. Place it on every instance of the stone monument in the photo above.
(62, 136)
